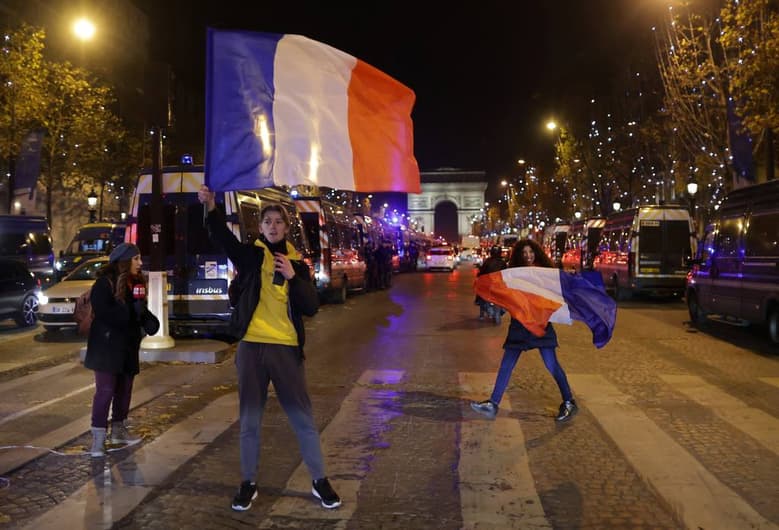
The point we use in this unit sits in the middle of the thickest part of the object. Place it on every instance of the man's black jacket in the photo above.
(248, 258)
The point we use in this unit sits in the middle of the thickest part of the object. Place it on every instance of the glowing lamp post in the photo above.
(92, 205)
(692, 189)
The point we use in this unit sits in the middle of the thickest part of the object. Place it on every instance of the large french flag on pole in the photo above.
(288, 110)
(536, 296)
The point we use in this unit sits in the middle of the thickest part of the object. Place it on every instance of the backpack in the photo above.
(83, 313)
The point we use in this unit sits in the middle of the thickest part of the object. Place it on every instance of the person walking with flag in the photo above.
(274, 292)
(528, 253)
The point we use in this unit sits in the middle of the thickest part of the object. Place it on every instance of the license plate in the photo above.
(62, 308)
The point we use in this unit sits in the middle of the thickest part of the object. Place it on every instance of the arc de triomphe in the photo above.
(446, 193)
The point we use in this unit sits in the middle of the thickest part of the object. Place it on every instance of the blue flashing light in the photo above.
(186, 159)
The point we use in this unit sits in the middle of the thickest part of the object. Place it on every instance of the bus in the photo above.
(198, 272)
(337, 247)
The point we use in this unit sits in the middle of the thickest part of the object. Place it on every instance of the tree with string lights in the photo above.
(750, 37)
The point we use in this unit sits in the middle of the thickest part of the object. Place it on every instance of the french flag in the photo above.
(536, 296)
(288, 110)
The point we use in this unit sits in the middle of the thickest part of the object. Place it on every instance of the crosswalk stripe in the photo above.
(348, 444)
(770, 380)
(121, 488)
(19, 413)
(492, 493)
(761, 426)
(698, 497)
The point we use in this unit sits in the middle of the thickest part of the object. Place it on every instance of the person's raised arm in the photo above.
(217, 228)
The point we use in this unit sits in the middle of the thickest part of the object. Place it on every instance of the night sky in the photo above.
(487, 75)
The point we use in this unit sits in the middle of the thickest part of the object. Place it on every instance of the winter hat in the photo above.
(123, 252)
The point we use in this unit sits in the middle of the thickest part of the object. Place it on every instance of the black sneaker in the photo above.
(568, 410)
(246, 494)
(323, 491)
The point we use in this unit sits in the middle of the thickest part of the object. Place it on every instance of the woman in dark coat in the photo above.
(114, 341)
(528, 253)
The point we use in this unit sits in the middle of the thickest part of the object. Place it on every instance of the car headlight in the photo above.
(58, 265)
(43, 299)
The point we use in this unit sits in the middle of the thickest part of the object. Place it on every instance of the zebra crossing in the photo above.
(499, 491)
(700, 499)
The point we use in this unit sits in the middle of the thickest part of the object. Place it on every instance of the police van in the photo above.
(27, 238)
(198, 272)
(646, 250)
(554, 242)
(582, 244)
(735, 276)
(91, 240)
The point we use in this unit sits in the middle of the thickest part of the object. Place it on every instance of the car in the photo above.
(441, 258)
(27, 238)
(58, 302)
(19, 291)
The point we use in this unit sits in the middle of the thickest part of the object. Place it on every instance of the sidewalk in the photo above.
(184, 350)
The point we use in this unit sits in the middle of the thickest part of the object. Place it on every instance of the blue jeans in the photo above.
(510, 358)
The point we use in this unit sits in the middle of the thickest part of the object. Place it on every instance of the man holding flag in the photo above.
(284, 110)
(535, 294)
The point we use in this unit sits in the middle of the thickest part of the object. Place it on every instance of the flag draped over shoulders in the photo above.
(536, 296)
(287, 110)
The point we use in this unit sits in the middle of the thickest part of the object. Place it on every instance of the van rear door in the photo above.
(664, 246)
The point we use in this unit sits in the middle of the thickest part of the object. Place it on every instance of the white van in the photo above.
(646, 250)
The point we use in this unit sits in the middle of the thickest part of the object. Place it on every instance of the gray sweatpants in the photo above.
(257, 365)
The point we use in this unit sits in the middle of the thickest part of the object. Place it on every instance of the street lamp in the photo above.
(84, 29)
(692, 189)
(616, 206)
(511, 196)
(92, 205)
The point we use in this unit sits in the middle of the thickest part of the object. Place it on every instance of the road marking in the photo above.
(20, 413)
(754, 422)
(694, 493)
(770, 380)
(348, 443)
(10, 460)
(34, 377)
(121, 488)
(496, 486)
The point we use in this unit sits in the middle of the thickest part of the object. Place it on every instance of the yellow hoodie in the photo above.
(270, 322)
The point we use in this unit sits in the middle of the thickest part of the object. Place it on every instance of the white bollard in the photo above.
(158, 304)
